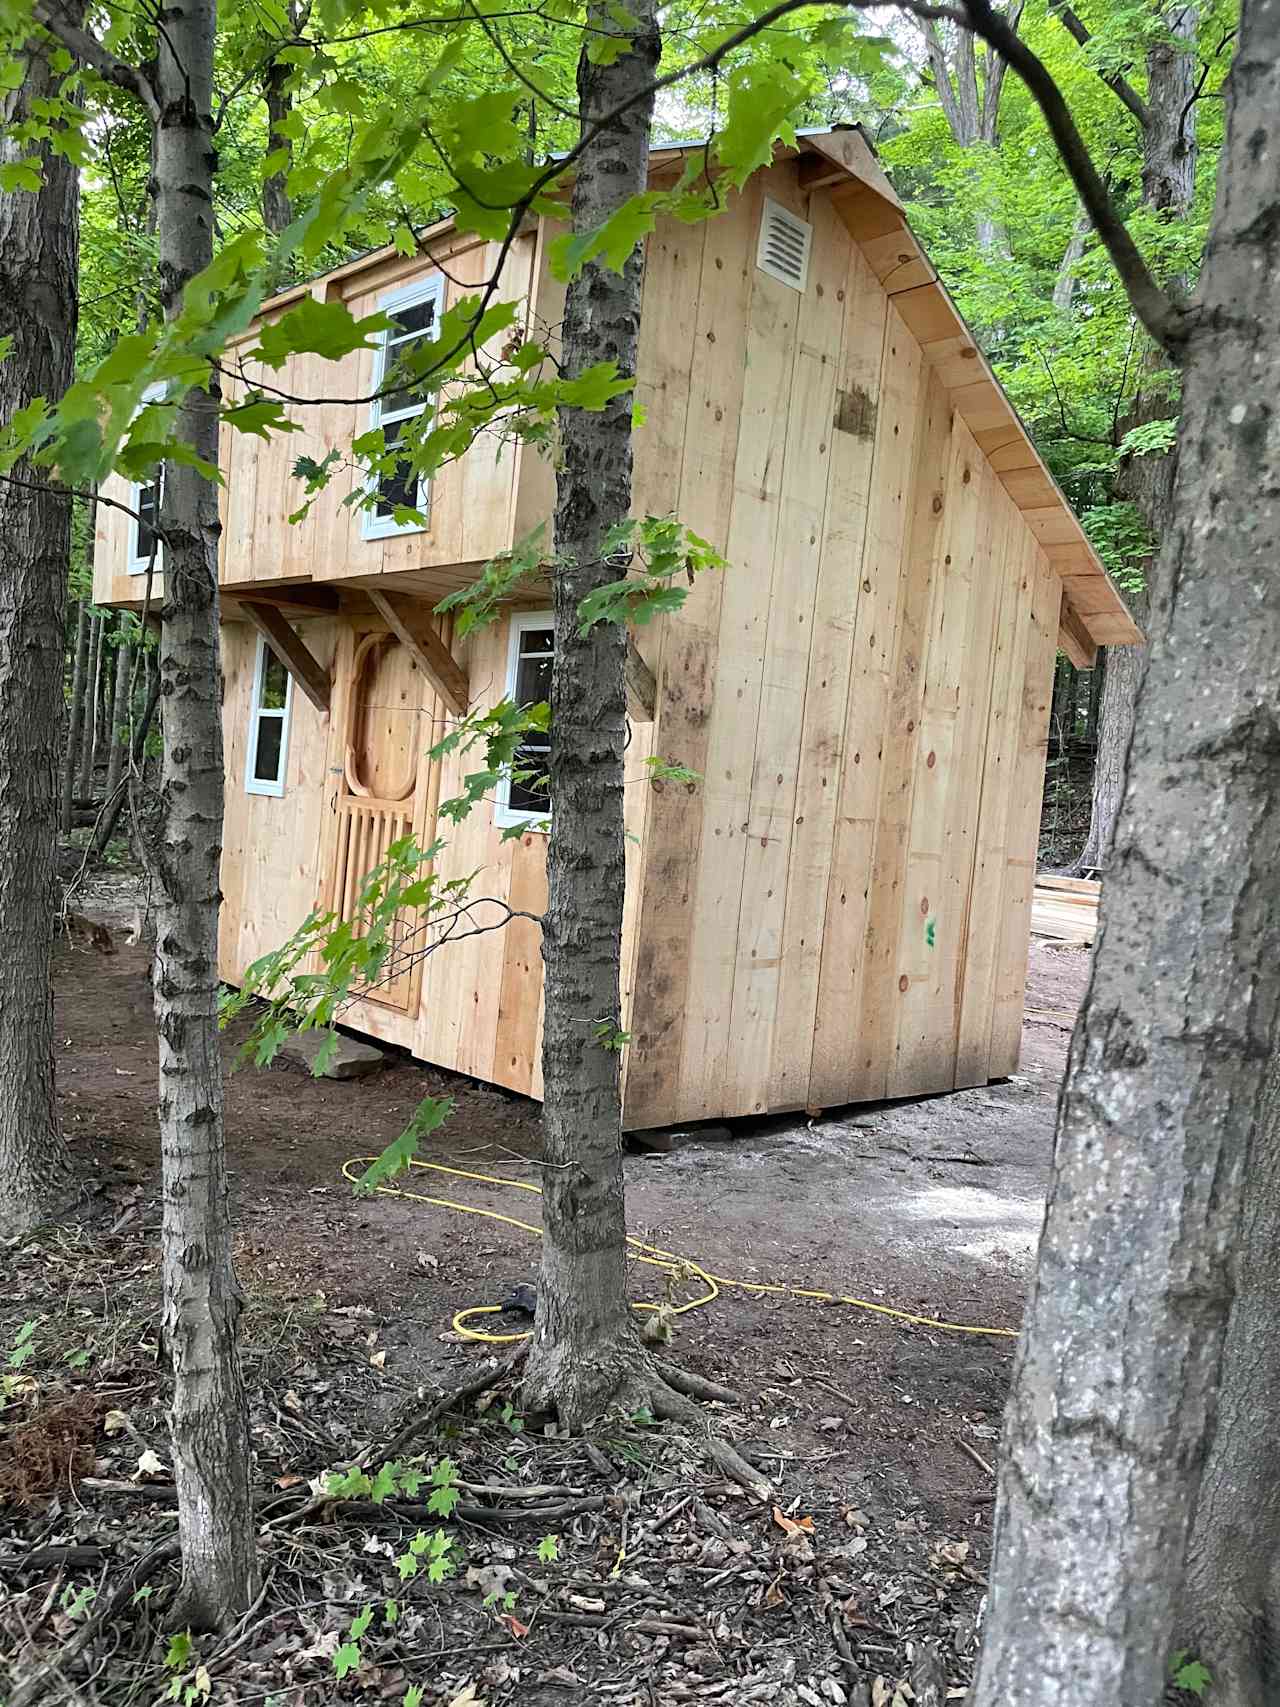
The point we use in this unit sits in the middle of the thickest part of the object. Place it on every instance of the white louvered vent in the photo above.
(784, 245)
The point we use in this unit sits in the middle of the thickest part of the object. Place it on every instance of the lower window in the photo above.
(268, 724)
(523, 798)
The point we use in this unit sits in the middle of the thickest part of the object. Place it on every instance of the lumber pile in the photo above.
(1065, 909)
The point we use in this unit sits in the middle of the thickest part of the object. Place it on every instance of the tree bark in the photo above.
(585, 1350)
(119, 738)
(277, 209)
(1064, 288)
(1168, 187)
(75, 718)
(39, 302)
(1231, 1615)
(1117, 1374)
(201, 1298)
(89, 727)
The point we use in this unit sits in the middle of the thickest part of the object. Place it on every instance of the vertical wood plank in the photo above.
(839, 612)
(671, 903)
(761, 945)
(1024, 818)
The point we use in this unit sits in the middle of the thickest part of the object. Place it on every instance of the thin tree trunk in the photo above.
(105, 722)
(75, 721)
(585, 1349)
(115, 804)
(119, 731)
(1064, 288)
(202, 1301)
(1168, 186)
(39, 301)
(1123, 673)
(1118, 1370)
(277, 209)
(89, 729)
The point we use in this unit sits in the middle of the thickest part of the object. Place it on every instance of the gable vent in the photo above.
(784, 245)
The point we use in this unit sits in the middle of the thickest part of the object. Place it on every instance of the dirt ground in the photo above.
(930, 1207)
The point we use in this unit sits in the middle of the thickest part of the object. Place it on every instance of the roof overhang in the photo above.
(1093, 612)
(842, 163)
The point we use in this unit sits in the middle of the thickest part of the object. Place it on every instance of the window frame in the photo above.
(264, 785)
(429, 289)
(138, 562)
(505, 815)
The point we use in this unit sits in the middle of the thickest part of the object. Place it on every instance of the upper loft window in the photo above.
(415, 311)
(144, 544)
(268, 724)
(524, 798)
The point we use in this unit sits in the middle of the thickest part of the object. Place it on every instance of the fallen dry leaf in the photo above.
(150, 1465)
(513, 1624)
(792, 1525)
(467, 1698)
(115, 1422)
(585, 1603)
(378, 1360)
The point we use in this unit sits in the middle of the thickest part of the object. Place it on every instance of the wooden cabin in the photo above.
(839, 910)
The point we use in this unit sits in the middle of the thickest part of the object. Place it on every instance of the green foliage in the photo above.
(77, 1601)
(663, 770)
(549, 1549)
(653, 551)
(606, 1035)
(23, 1347)
(1189, 1674)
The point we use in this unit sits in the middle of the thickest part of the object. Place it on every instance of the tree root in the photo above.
(35, 1687)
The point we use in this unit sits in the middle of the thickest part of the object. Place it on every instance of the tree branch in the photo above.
(1163, 318)
(1114, 81)
(90, 51)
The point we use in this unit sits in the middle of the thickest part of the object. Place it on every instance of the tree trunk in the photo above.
(119, 735)
(75, 719)
(584, 1348)
(1123, 673)
(1117, 1375)
(89, 728)
(1231, 1616)
(201, 1299)
(39, 301)
(115, 806)
(1168, 186)
(103, 722)
(277, 209)
(1064, 288)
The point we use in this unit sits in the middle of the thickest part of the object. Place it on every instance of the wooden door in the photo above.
(387, 730)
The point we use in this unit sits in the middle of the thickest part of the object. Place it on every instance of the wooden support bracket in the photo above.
(410, 622)
(292, 651)
(1075, 640)
(642, 688)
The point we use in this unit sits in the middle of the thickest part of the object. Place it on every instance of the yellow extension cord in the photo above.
(677, 1267)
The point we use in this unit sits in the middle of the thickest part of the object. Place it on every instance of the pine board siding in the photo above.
(839, 909)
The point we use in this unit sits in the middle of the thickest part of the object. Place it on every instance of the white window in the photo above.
(415, 311)
(523, 799)
(144, 547)
(268, 724)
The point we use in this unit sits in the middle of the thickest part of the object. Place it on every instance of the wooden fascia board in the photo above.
(410, 622)
(642, 686)
(292, 651)
(1075, 640)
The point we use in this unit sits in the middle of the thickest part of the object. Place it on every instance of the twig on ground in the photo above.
(977, 1457)
(37, 1684)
